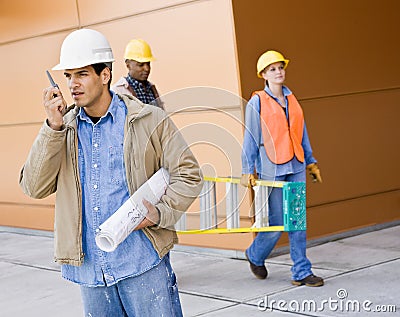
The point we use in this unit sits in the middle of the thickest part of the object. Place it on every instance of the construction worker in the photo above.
(137, 57)
(277, 147)
(94, 155)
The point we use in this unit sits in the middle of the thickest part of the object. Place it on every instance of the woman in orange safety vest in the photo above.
(277, 147)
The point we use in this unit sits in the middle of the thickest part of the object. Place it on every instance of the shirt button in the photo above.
(94, 165)
(95, 186)
(96, 145)
(96, 208)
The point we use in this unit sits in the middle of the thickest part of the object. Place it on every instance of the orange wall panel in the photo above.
(177, 65)
(22, 19)
(16, 142)
(194, 48)
(239, 241)
(32, 217)
(334, 47)
(341, 216)
(353, 139)
(25, 78)
(343, 70)
(217, 145)
(97, 11)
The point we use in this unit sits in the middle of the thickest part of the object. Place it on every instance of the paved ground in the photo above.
(362, 276)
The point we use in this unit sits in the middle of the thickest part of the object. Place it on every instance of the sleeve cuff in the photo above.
(159, 218)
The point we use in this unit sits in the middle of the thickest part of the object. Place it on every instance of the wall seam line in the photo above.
(354, 198)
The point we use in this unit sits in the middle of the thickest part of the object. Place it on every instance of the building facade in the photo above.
(343, 70)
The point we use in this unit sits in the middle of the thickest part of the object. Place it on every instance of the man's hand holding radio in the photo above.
(54, 105)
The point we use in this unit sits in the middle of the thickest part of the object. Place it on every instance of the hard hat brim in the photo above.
(141, 60)
(62, 66)
(286, 61)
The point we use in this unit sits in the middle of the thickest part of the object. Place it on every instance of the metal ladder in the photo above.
(294, 207)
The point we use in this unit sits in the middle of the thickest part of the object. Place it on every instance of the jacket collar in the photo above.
(135, 110)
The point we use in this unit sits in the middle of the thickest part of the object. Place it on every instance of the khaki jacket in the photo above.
(151, 141)
(122, 87)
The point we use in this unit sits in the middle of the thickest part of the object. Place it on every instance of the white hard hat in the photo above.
(82, 48)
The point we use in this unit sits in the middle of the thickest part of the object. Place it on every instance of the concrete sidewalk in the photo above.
(362, 278)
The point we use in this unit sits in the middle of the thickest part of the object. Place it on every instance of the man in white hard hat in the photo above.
(137, 57)
(94, 155)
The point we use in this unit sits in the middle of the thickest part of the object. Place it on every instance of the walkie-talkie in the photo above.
(52, 82)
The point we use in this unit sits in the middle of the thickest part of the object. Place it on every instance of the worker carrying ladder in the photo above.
(294, 207)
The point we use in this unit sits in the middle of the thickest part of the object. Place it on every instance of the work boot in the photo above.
(259, 271)
(310, 280)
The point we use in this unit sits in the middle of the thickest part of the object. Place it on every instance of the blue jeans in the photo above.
(153, 293)
(263, 244)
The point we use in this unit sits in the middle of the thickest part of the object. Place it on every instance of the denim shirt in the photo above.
(254, 156)
(104, 190)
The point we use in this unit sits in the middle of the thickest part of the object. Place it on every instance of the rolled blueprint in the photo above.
(120, 224)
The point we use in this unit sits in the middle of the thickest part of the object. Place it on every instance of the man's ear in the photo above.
(105, 75)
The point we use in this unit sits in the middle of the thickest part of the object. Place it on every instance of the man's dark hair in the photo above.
(98, 68)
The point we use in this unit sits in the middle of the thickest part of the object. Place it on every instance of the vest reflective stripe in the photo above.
(282, 141)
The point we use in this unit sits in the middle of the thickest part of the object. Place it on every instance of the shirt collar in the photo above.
(112, 109)
(286, 91)
(137, 84)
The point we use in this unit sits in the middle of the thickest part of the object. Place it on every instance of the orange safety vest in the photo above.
(282, 139)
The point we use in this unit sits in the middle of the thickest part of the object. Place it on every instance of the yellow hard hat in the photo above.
(268, 58)
(138, 50)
